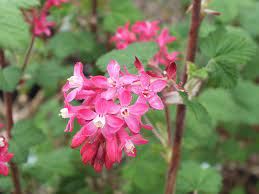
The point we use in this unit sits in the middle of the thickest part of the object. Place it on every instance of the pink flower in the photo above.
(41, 25)
(123, 37)
(164, 38)
(110, 124)
(128, 142)
(5, 156)
(114, 83)
(148, 90)
(57, 3)
(102, 119)
(146, 30)
(76, 84)
(131, 114)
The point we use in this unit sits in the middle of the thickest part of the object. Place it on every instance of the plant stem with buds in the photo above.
(8, 103)
(181, 109)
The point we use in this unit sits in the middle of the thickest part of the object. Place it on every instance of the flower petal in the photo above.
(158, 85)
(133, 123)
(156, 102)
(114, 121)
(112, 149)
(109, 93)
(99, 81)
(125, 98)
(71, 95)
(138, 109)
(78, 69)
(86, 114)
(138, 139)
(113, 69)
(101, 106)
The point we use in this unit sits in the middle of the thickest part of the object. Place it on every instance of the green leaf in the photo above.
(9, 78)
(120, 12)
(144, 51)
(141, 172)
(221, 74)
(23, 3)
(197, 109)
(227, 50)
(249, 18)
(193, 177)
(49, 74)
(230, 46)
(67, 43)
(14, 32)
(229, 9)
(25, 136)
(193, 71)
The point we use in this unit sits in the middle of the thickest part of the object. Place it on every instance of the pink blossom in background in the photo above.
(37, 18)
(5, 156)
(41, 26)
(144, 31)
(57, 3)
(123, 37)
(110, 120)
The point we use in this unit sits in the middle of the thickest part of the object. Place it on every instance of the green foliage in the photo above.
(9, 78)
(120, 12)
(65, 44)
(224, 104)
(14, 32)
(144, 52)
(195, 72)
(25, 136)
(23, 3)
(147, 169)
(49, 74)
(194, 177)
(227, 50)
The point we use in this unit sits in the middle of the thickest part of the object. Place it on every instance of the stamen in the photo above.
(64, 113)
(99, 121)
(75, 81)
(125, 112)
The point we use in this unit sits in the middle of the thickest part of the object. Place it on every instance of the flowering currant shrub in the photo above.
(110, 120)
(37, 18)
(5, 156)
(145, 31)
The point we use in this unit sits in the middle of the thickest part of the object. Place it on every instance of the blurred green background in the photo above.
(220, 147)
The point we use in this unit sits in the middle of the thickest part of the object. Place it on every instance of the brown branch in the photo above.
(28, 54)
(93, 21)
(168, 125)
(8, 104)
(181, 109)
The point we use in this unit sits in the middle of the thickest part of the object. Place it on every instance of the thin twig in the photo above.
(168, 125)
(28, 54)
(94, 17)
(181, 109)
(156, 133)
(8, 103)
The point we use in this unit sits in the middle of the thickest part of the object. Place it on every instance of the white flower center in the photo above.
(2, 144)
(129, 146)
(99, 121)
(64, 113)
(111, 82)
(124, 112)
(76, 81)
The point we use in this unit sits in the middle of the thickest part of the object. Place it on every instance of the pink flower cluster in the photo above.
(145, 31)
(5, 156)
(110, 119)
(38, 18)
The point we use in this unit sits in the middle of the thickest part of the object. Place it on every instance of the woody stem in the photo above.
(8, 103)
(181, 109)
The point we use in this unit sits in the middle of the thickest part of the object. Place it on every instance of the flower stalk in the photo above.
(8, 103)
(181, 109)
